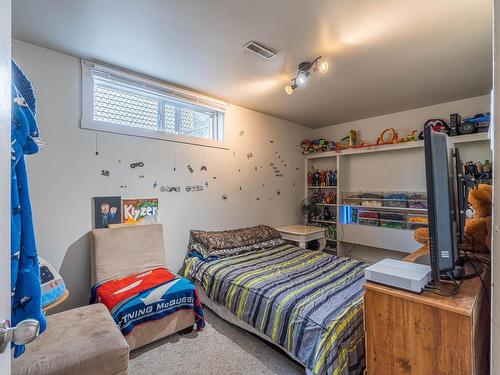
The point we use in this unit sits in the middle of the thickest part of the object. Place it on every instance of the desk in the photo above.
(427, 334)
(302, 234)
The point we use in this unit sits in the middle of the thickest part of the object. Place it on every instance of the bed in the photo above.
(308, 303)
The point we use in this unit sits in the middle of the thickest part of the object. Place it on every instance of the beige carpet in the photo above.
(221, 349)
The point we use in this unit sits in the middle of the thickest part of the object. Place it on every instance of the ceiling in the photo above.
(385, 56)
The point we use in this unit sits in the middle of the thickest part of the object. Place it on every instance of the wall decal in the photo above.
(224, 197)
(257, 199)
(138, 164)
(206, 184)
(297, 168)
(105, 173)
(249, 155)
(192, 188)
(256, 168)
(96, 148)
(278, 192)
(170, 189)
(271, 141)
(155, 184)
(203, 168)
(190, 169)
(123, 186)
(242, 133)
(141, 176)
(241, 188)
(214, 177)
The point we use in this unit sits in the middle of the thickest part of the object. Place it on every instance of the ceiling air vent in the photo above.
(260, 50)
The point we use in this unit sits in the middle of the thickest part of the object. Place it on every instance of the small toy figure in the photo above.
(328, 177)
(316, 178)
(322, 178)
(334, 179)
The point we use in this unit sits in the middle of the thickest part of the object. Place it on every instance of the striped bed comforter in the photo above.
(308, 302)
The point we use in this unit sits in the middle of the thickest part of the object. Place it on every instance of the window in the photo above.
(120, 102)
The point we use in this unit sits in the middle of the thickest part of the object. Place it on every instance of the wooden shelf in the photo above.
(477, 137)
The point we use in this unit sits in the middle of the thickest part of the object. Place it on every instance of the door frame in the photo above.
(5, 146)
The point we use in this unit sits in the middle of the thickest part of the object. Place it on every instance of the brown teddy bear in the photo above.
(477, 231)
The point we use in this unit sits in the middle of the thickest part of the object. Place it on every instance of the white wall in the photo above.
(400, 170)
(66, 174)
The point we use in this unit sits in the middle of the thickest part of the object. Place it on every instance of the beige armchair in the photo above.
(126, 250)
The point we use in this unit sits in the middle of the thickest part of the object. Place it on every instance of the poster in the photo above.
(107, 211)
(140, 211)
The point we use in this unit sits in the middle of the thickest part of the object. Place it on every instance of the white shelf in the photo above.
(326, 204)
(477, 137)
(385, 238)
(322, 187)
(388, 209)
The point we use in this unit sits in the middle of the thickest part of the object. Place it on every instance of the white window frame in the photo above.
(187, 98)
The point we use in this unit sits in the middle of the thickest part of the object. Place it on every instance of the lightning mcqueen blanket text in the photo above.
(147, 296)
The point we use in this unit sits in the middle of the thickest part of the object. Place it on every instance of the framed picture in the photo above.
(140, 211)
(107, 210)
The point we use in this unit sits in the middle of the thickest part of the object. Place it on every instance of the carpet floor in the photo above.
(220, 349)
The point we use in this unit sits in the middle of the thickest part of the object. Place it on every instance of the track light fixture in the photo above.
(304, 71)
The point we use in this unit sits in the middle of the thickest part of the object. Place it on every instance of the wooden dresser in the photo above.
(426, 334)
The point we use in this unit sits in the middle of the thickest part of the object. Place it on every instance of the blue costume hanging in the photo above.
(25, 269)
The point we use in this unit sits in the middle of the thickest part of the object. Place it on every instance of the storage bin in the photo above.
(369, 218)
(371, 199)
(417, 221)
(417, 200)
(395, 200)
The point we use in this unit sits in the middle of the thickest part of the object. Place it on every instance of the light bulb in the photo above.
(323, 67)
(289, 90)
(301, 80)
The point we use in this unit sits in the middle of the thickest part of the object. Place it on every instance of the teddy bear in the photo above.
(477, 231)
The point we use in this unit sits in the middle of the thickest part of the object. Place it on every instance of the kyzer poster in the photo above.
(140, 211)
(107, 211)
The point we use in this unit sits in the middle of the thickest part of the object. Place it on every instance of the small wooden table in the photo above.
(302, 234)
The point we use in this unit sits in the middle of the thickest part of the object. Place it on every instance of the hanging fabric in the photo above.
(25, 269)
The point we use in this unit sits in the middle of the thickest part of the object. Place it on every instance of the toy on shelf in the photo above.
(480, 123)
(316, 145)
(322, 178)
(482, 172)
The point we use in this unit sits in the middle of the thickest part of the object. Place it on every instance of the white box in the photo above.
(399, 274)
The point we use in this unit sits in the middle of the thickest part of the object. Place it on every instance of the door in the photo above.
(5, 43)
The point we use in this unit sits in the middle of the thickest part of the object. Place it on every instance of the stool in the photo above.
(80, 341)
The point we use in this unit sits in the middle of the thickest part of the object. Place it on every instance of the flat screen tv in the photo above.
(442, 202)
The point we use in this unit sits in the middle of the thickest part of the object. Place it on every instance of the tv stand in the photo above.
(422, 334)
